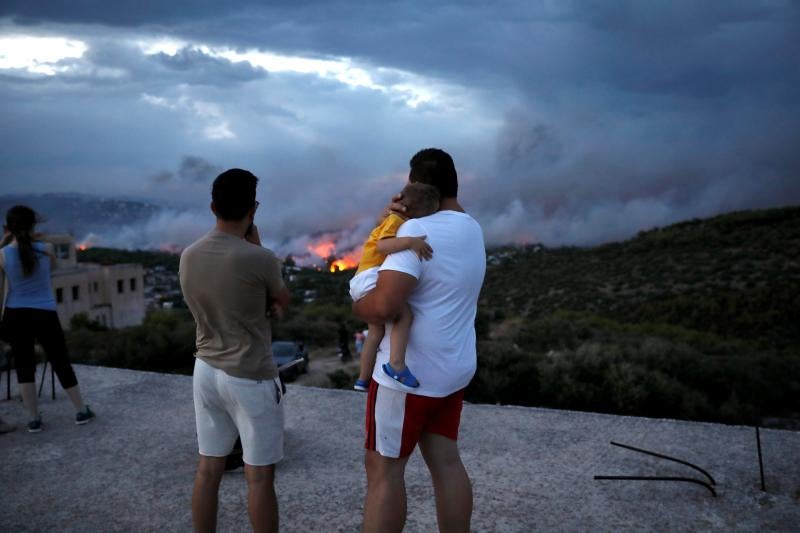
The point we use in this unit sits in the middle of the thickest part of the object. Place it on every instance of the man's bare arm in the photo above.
(2, 289)
(282, 298)
(386, 300)
(5, 241)
(50, 250)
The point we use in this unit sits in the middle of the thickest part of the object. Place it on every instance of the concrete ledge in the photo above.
(532, 469)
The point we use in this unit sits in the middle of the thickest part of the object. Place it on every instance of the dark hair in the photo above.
(234, 194)
(433, 166)
(20, 221)
(420, 199)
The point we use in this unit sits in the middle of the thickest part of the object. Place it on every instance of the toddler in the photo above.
(421, 200)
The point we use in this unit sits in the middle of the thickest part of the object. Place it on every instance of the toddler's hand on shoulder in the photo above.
(395, 206)
(420, 247)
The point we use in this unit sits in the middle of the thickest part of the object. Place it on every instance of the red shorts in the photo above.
(396, 419)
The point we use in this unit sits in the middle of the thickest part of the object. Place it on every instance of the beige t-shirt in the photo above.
(228, 284)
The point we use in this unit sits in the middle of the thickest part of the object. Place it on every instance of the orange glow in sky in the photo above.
(323, 249)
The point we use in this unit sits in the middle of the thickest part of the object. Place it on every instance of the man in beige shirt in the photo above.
(233, 286)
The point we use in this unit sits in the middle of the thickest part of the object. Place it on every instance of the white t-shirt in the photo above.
(441, 349)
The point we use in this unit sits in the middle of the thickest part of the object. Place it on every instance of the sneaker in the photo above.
(35, 425)
(84, 417)
(6, 428)
(361, 385)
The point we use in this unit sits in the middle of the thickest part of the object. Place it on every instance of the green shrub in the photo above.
(505, 374)
(82, 321)
(340, 379)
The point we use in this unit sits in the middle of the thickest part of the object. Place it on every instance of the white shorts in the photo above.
(363, 282)
(226, 407)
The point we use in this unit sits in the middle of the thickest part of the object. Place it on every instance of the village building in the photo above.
(111, 295)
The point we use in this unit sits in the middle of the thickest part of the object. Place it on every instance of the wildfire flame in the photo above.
(338, 266)
(350, 260)
(327, 249)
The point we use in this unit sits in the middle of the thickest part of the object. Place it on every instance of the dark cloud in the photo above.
(195, 67)
(570, 122)
(162, 177)
(192, 170)
(613, 177)
(197, 169)
(116, 13)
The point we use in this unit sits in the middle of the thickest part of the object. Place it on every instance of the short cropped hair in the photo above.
(234, 194)
(420, 199)
(434, 166)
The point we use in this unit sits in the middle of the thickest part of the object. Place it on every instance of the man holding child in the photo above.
(442, 293)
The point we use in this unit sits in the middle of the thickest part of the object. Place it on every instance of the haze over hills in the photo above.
(697, 320)
(82, 214)
(138, 225)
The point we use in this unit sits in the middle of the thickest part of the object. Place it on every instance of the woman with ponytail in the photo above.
(29, 313)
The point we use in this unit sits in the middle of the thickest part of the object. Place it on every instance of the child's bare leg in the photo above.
(399, 339)
(370, 350)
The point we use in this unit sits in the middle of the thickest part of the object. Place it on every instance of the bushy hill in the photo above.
(734, 275)
(697, 320)
(146, 258)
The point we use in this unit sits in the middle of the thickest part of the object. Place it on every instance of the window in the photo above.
(62, 251)
(120, 286)
(76, 292)
(133, 284)
(59, 296)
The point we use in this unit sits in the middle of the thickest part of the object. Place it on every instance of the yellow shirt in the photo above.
(370, 256)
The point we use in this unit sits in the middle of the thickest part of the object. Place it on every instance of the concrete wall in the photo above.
(78, 290)
(64, 248)
(125, 288)
(111, 295)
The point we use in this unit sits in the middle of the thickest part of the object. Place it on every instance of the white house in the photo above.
(112, 295)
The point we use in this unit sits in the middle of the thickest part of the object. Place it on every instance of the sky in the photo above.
(570, 122)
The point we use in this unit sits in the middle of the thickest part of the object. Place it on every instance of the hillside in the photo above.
(697, 320)
(146, 258)
(735, 275)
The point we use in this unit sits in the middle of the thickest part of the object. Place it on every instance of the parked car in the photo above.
(287, 351)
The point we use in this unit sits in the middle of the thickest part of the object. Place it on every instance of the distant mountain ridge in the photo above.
(81, 214)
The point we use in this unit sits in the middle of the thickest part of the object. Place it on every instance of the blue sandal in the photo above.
(405, 378)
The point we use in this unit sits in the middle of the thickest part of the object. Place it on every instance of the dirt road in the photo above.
(323, 361)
